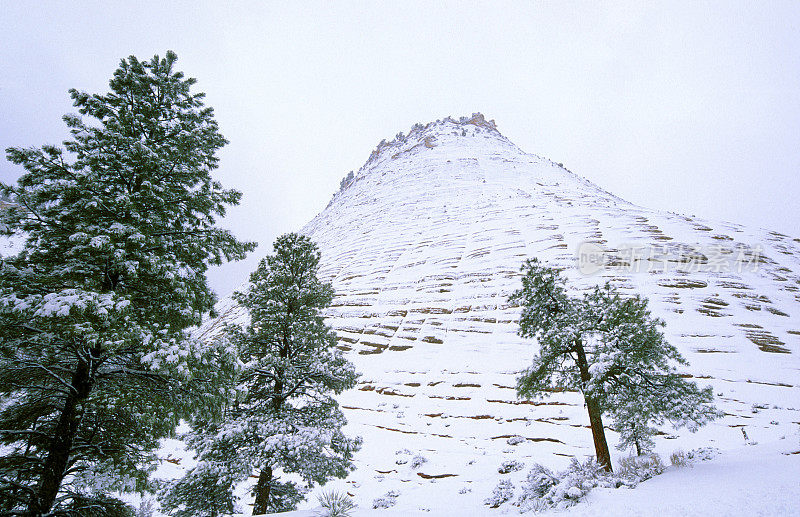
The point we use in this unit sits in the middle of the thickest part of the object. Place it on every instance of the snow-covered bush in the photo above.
(335, 504)
(539, 481)
(543, 489)
(387, 501)
(515, 440)
(685, 459)
(503, 492)
(510, 466)
(678, 459)
(417, 461)
(640, 468)
(383, 503)
(702, 453)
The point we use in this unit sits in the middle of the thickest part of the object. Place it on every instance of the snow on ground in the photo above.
(755, 480)
(749, 481)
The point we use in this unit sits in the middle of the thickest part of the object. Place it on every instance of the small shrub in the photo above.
(539, 481)
(417, 461)
(639, 468)
(335, 504)
(387, 501)
(510, 466)
(678, 459)
(702, 453)
(515, 440)
(503, 492)
(382, 503)
(544, 490)
(682, 459)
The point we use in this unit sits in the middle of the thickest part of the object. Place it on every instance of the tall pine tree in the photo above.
(284, 419)
(95, 362)
(610, 349)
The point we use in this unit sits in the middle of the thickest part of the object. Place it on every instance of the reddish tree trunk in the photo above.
(595, 415)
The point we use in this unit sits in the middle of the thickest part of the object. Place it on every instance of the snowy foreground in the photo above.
(752, 480)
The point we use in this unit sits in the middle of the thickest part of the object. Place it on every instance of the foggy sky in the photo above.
(688, 107)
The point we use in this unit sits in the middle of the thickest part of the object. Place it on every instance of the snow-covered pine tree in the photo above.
(611, 349)
(95, 363)
(284, 418)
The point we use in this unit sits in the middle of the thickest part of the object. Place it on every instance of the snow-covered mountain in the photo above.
(423, 248)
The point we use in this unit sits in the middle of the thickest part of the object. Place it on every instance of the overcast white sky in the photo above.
(691, 107)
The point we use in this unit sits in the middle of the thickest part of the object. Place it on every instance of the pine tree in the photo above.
(284, 418)
(612, 350)
(95, 362)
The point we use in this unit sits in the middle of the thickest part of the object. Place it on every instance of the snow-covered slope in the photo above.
(423, 248)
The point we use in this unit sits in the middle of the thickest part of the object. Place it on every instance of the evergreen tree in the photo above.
(95, 362)
(610, 349)
(283, 418)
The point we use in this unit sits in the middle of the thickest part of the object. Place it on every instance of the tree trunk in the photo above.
(598, 433)
(262, 491)
(55, 465)
(595, 415)
(264, 487)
